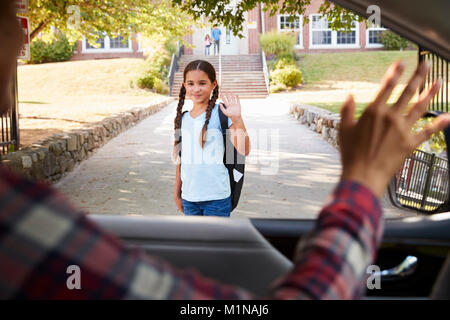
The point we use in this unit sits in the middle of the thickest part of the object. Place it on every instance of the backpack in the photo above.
(236, 165)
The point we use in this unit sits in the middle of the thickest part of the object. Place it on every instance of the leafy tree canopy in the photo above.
(231, 12)
(92, 18)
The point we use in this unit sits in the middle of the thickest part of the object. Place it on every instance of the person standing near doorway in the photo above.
(216, 37)
(207, 44)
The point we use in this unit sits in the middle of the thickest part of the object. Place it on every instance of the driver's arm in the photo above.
(42, 235)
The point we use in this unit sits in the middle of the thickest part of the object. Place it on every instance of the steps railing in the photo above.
(174, 66)
(265, 70)
(220, 69)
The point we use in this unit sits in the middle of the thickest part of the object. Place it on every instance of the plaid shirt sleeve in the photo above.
(42, 236)
(331, 261)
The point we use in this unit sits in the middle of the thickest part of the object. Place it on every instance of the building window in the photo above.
(289, 22)
(107, 44)
(346, 37)
(101, 41)
(373, 34)
(321, 32)
(292, 24)
(118, 43)
(322, 36)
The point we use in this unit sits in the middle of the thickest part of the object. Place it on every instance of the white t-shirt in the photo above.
(204, 177)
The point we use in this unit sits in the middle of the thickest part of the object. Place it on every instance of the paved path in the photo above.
(289, 172)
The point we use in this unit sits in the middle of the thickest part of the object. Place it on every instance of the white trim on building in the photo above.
(319, 25)
(107, 47)
(368, 36)
(140, 46)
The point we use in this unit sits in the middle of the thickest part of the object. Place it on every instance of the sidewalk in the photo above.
(134, 173)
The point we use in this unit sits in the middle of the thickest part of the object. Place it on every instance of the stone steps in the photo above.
(242, 74)
(229, 62)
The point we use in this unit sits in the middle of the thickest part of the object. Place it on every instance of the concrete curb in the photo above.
(50, 159)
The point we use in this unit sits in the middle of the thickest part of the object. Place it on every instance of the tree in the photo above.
(93, 18)
(231, 12)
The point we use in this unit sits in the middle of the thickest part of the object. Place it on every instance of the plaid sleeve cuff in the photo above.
(354, 206)
(332, 260)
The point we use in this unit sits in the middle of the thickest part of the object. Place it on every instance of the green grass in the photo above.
(77, 89)
(56, 97)
(330, 77)
(354, 66)
(336, 107)
(62, 82)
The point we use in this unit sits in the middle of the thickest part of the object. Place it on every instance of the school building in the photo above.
(315, 36)
(110, 48)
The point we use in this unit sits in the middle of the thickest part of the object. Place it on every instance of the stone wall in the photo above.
(319, 120)
(52, 158)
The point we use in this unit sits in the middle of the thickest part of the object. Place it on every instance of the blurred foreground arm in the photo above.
(41, 235)
(333, 259)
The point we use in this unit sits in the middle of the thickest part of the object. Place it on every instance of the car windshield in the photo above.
(96, 111)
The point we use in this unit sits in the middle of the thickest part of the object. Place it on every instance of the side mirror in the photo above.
(422, 183)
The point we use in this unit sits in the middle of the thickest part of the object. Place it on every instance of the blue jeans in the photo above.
(207, 50)
(216, 45)
(221, 208)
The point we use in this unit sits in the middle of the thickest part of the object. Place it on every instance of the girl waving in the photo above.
(202, 185)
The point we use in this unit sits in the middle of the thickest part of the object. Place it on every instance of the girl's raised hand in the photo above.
(233, 110)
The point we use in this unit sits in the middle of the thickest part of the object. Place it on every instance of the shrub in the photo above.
(146, 81)
(38, 51)
(289, 76)
(281, 62)
(58, 49)
(160, 64)
(392, 41)
(171, 46)
(284, 62)
(277, 43)
(157, 67)
(277, 87)
(271, 64)
(161, 87)
(289, 57)
(151, 78)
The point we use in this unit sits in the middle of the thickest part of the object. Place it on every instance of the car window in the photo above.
(294, 162)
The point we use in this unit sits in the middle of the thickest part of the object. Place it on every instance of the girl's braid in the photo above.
(212, 103)
(177, 125)
(177, 122)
